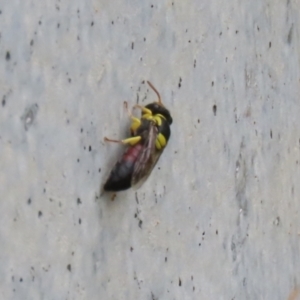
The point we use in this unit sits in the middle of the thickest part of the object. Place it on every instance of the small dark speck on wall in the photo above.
(69, 267)
(215, 109)
(179, 282)
(92, 24)
(270, 44)
(3, 101)
(40, 214)
(290, 35)
(180, 81)
(79, 221)
(132, 45)
(140, 223)
(7, 56)
(78, 201)
(271, 134)
(31, 43)
(90, 148)
(29, 201)
(277, 221)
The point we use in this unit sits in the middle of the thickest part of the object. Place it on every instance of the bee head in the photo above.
(157, 108)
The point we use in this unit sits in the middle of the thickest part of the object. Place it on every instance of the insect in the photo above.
(149, 137)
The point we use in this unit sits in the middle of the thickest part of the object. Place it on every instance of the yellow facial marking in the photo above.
(161, 116)
(147, 116)
(157, 120)
(146, 111)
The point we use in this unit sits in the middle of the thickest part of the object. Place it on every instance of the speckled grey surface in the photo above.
(219, 216)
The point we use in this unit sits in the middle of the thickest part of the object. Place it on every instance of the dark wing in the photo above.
(147, 159)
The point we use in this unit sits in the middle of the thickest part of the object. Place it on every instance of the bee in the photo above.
(149, 136)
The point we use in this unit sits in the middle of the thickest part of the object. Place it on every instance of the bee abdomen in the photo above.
(121, 175)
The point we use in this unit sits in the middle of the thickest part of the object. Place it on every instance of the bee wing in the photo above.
(147, 159)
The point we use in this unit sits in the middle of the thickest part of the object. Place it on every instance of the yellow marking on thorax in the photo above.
(160, 141)
(156, 118)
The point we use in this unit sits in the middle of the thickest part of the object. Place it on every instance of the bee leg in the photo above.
(112, 141)
(131, 141)
(146, 113)
(136, 122)
(143, 109)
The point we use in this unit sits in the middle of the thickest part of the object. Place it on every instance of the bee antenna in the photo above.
(156, 92)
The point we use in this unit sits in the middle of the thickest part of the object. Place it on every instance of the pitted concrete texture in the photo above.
(219, 216)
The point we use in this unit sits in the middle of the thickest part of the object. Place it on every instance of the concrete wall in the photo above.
(219, 216)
